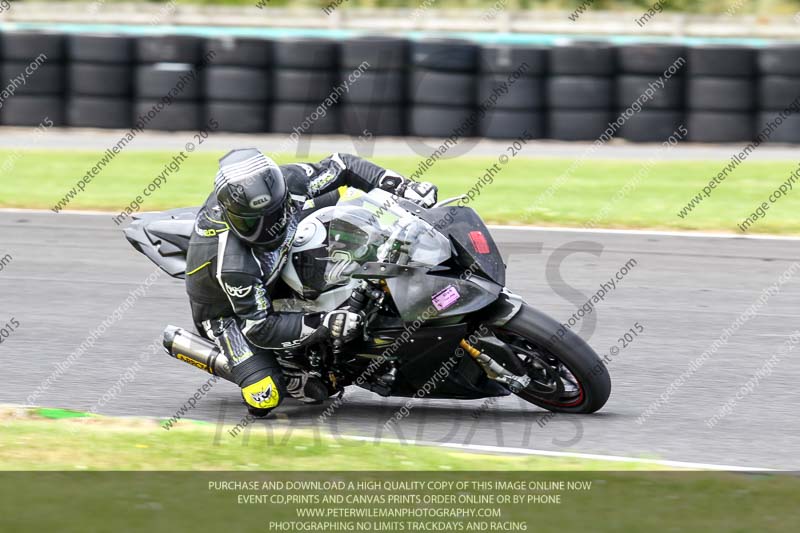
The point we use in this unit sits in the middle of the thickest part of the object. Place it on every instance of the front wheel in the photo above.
(566, 374)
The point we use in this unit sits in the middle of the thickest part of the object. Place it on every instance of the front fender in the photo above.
(505, 308)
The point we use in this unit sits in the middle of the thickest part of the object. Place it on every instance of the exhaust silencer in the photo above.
(196, 351)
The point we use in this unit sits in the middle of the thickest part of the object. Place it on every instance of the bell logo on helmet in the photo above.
(258, 201)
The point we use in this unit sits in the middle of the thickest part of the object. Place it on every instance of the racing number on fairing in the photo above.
(341, 259)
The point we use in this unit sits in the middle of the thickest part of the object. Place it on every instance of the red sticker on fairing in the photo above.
(445, 298)
(479, 242)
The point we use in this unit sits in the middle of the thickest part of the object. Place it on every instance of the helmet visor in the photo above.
(264, 230)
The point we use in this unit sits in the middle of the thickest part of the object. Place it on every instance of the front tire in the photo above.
(533, 336)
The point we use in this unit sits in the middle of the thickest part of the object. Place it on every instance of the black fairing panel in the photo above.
(423, 295)
(458, 223)
(164, 238)
(426, 351)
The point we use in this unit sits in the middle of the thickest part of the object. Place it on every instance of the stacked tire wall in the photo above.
(306, 72)
(511, 88)
(638, 69)
(580, 91)
(443, 89)
(375, 104)
(99, 81)
(368, 87)
(167, 72)
(720, 94)
(33, 65)
(778, 89)
(238, 85)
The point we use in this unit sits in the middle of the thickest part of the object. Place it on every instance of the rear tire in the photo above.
(572, 351)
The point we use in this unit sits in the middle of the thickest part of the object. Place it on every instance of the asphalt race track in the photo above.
(69, 272)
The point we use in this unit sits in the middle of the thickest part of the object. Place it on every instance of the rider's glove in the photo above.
(421, 193)
(343, 324)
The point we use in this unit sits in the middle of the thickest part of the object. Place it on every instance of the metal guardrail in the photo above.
(408, 20)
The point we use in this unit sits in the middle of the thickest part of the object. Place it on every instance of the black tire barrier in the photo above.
(451, 55)
(92, 112)
(442, 122)
(720, 94)
(568, 125)
(511, 124)
(239, 51)
(367, 121)
(234, 117)
(495, 90)
(303, 85)
(92, 79)
(784, 129)
(304, 119)
(159, 80)
(385, 53)
(101, 48)
(719, 127)
(505, 59)
(439, 83)
(721, 60)
(376, 87)
(579, 92)
(583, 59)
(778, 92)
(48, 78)
(650, 58)
(178, 116)
(26, 46)
(780, 59)
(169, 49)
(651, 126)
(32, 111)
(429, 87)
(630, 88)
(319, 54)
(237, 83)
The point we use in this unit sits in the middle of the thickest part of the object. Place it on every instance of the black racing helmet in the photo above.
(252, 193)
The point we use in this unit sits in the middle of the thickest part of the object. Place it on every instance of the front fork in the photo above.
(511, 373)
(495, 371)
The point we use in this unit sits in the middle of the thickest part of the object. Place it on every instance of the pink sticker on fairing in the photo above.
(445, 298)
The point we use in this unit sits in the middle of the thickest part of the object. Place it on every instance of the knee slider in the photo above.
(262, 384)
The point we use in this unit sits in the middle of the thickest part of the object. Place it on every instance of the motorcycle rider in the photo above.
(240, 241)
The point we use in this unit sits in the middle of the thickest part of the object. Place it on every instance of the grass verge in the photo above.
(611, 194)
(33, 440)
(170, 497)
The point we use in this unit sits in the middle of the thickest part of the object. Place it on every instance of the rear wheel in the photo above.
(566, 374)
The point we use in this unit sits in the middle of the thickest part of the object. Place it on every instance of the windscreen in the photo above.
(372, 227)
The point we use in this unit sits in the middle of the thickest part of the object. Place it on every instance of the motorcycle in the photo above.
(430, 284)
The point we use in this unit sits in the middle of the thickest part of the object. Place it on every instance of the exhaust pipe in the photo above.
(196, 351)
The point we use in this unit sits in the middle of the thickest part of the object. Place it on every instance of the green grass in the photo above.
(39, 179)
(162, 481)
(99, 443)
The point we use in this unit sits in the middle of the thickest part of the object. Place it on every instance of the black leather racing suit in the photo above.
(229, 283)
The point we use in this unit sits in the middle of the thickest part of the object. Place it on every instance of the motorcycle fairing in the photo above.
(474, 244)
(426, 351)
(164, 238)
